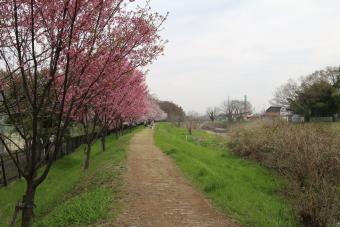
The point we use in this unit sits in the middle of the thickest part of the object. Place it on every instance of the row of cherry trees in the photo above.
(71, 60)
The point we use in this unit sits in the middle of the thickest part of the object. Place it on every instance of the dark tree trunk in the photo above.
(117, 133)
(28, 204)
(87, 157)
(121, 129)
(103, 139)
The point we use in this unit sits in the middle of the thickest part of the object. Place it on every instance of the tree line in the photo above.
(71, 61)
(230, 110)
(314, 95)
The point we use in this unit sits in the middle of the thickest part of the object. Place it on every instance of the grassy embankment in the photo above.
(242, 189)
(70, 196)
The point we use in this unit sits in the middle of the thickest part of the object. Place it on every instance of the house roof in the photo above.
(274, 109)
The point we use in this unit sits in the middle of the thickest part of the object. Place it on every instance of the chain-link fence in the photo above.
(8, 170)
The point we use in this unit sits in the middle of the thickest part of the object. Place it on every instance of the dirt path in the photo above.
(156, 194)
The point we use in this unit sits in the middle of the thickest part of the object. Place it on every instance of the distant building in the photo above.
(7, 130)
(296, 118)
(253, 116)
(278, 112)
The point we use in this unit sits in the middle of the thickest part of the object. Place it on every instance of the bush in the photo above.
(306, 154)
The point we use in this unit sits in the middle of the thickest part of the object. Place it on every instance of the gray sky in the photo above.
(221, 48)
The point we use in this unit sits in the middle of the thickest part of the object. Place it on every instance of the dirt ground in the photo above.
(157, 195)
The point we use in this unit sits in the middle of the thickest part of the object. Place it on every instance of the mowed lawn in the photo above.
(69, 196)
(243, 190)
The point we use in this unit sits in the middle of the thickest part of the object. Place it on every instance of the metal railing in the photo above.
(9, 171)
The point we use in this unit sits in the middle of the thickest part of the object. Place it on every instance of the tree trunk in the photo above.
(121, 130)
(87, 157)
(117, 133)
(103, 139)
(28, 205)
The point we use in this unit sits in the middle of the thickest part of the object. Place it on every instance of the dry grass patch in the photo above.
(307, 154)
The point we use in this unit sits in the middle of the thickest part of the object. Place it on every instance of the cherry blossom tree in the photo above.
(154, 112)
(120, 97)
(56, 53)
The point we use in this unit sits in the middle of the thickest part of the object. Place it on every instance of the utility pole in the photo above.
(338, 79)
(228, 109)
(245, 105)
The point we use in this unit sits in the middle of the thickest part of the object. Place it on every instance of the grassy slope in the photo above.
(242, 189)
(69, 196)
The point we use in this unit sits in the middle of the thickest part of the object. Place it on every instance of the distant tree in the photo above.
(285, 93)
(154, 113)
(320, 99)
(212, 112)
(227, 109)
(330, 74)
(317, 94)
(174, 112)
(235, 109)
(192, 121)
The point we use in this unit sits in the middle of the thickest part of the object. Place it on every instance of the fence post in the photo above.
(56, 155)
(62, 150)
(67, 147)
(3, 171)
(17, 157)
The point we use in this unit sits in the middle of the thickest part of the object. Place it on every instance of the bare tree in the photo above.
(192, 121)
(236, 109)
(285, 93)
(329, 74)
(227, 109)
(212, 113)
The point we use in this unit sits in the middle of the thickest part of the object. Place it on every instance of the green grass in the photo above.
(243, 190)
(86, 208)
(70, 196)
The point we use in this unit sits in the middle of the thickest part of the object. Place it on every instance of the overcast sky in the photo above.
(221, 48)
